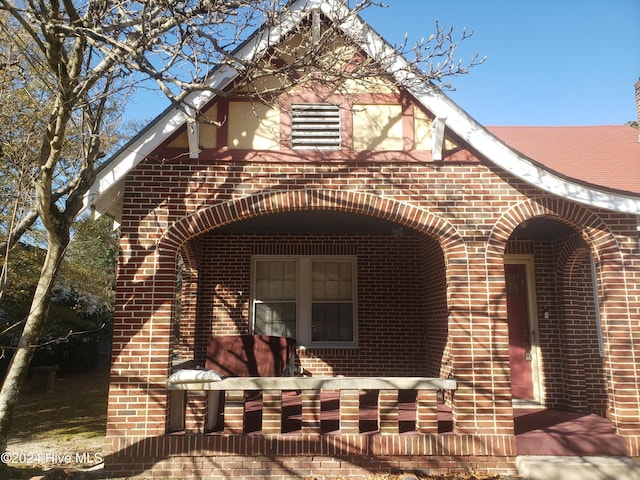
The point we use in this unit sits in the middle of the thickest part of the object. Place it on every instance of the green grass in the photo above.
(72, 418)
(77, 409)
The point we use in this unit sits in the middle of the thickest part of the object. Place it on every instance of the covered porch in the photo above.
(287, 408)
(425, 305)
(415, 318)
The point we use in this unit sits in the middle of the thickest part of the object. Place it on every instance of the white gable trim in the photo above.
(106, 191)
(496, 151)
(500, 154)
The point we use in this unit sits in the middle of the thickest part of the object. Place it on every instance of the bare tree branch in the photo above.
(82, 55)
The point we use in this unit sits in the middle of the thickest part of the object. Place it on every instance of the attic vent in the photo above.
(315, 126)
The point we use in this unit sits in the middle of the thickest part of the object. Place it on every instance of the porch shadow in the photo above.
(539, 431)
(330, 414)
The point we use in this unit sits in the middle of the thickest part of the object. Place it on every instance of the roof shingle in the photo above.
(606, 156)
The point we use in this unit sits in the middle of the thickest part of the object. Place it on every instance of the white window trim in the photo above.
(303, 299)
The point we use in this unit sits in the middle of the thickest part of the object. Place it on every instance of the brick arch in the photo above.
(190, 252)
(571, 256)
(451, 243)
(612, 277)
(581, 335)
(593, 231)
(287, 201)
(579, 217)
(591, 227)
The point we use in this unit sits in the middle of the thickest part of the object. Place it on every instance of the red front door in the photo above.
(519, 331)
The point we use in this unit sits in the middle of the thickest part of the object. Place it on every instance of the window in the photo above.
(315, 126)
(307, 298)
(275, 298)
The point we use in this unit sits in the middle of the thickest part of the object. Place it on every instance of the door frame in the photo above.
(532, 313)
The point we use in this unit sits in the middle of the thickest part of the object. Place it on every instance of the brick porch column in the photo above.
(480, 349)
(620, 315)
(142, 336)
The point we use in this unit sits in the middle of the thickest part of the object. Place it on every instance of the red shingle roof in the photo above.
(606, 156)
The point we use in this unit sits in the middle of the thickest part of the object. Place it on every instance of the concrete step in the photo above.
(577, 468)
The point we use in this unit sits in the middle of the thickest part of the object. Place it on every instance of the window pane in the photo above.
(332, 280)
(332, 322)
(276, 319)
(275, 280)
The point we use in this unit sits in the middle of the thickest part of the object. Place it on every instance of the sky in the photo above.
(548, 62)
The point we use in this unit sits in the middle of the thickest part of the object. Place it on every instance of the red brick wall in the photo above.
(333, 456)
(391, 299)
(581, 333)
(585, 383)
(437, 354)
(470, 209)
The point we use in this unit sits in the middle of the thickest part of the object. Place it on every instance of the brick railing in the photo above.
(198, 411)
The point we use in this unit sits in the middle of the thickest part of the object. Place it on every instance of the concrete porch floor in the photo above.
(560, 433)
(539, 431)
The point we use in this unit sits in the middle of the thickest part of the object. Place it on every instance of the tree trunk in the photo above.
(33, 329)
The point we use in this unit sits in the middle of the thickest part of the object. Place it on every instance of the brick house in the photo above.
(406, 241)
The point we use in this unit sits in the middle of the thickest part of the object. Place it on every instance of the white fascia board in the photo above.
(148, 140)
(479, 137)
(500, 154)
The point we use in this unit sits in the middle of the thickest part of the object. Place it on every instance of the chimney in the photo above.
(637, 85)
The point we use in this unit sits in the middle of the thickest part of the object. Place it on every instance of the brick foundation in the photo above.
(321, 457)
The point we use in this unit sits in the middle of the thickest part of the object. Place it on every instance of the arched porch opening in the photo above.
(400, 303)
(588, 286)
(559, 360)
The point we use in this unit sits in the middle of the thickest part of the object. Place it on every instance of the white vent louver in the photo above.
(315, 126)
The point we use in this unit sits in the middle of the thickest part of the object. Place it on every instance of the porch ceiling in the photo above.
(542, 228)
(317, 222)
(327, 222)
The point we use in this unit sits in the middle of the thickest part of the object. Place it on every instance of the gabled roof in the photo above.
(106, 193)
